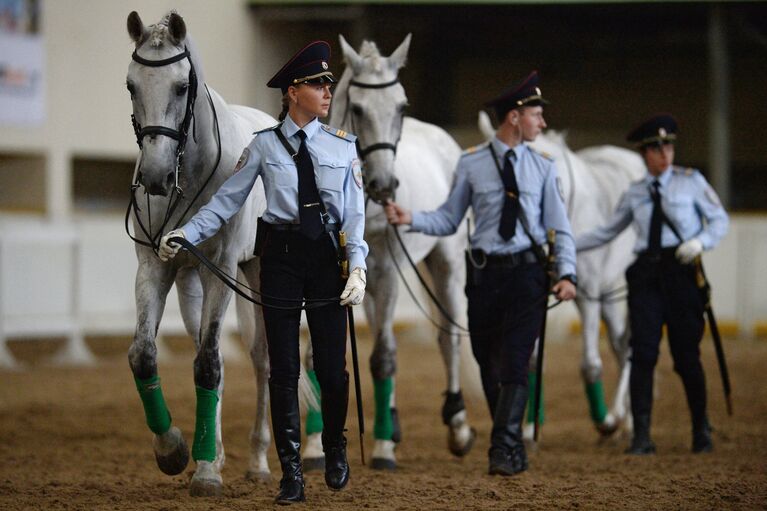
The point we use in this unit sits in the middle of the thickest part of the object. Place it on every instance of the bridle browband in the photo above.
(180, 135)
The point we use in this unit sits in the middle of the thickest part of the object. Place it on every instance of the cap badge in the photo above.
(324, 65)
(662, 132)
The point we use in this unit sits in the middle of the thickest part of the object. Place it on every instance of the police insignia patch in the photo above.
(712, 197)
(560, 189)
(357, 172)
(243, 159)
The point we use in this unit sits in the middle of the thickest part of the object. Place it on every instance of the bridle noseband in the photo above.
(180, 135)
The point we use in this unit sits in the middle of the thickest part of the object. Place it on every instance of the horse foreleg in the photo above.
(615, 317)
(189, 289)
(446, 268)
(251, 322)
(208, 448)
(382, 286)
(591, 366)
(153, 281)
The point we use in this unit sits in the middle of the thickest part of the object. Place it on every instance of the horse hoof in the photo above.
(383, 464)
(462, 441)
(258, 476)
(171, 452)
(206, 481)
(313, 464)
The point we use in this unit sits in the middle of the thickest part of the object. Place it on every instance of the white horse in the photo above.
(593, 181)
(169, 95)
(417, 160)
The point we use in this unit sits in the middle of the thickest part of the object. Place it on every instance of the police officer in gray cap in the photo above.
(677, 215)
(514, 194)
(313, 186)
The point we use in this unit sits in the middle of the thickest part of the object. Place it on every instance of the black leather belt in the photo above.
(509, 260)
(297, 227)
(665, 254)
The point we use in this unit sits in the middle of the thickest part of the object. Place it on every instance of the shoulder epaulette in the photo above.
(270, 128)
(687, 171)
(343, 135)
(542, 153)
(474, 149)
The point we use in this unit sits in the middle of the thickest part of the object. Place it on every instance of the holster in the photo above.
(473, 274)
(262, 236)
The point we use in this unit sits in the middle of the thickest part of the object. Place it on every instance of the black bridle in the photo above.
(378, 146)
(179, 135)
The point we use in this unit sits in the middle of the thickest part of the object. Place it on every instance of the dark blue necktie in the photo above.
(656, 220)
(511, 205)
(309, 211)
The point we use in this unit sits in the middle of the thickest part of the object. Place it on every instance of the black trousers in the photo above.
(294, 268)
(506, 306)
(664, 291)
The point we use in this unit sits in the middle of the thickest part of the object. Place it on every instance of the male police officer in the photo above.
(515, 197)
(668, 208)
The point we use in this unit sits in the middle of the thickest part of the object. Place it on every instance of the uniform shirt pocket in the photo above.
(331, 174)
(281, 172)
(486, 194)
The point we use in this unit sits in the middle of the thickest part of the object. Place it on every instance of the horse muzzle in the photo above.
(381, 193)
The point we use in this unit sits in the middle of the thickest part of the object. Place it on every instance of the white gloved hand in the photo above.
(689, 250)
(354, 291)
(169, 250)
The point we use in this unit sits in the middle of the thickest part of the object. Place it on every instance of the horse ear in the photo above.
(351, 57)
(176, 28)
(136, 27)
(399, 56)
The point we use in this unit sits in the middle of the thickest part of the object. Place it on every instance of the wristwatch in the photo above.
(571, 277)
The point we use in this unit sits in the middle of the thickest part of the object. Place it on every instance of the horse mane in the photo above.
(372, 56)
(158, 36)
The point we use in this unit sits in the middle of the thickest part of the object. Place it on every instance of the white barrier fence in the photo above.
(76, 279)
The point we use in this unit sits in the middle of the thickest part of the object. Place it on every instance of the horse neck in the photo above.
(338, 107)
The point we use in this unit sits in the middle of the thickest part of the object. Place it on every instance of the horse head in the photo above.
(162, 82)
(373, 109)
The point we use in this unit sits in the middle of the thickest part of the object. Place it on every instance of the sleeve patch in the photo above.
(357, 172)
(712, 197)
(560, 189)
(243, 159)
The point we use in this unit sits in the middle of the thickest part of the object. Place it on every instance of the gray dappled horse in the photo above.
(416, 161)
(593, 180)
(170, 97)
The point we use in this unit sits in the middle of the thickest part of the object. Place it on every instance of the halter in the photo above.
(363, 152)
(180, 135)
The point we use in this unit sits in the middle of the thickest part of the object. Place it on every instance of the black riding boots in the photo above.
(694, 381)
(286, 427)
(507, 450)
(641, 383)
(334, 407)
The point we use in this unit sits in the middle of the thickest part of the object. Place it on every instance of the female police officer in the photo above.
(313, 189)
(668, 208)
(514, 194)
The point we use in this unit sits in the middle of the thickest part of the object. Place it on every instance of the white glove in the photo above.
(689, 250)
(169, 250)
(354, 291)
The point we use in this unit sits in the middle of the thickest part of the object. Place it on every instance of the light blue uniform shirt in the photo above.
(336, 170)
(478, 184)
(687, 200)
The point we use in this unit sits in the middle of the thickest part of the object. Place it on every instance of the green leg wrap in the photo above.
(384, 426)
(204, 448)
(531, 379)
(313, 416)
(155, 409)
(597, 406)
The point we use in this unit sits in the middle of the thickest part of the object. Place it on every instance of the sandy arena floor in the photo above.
(76, 439)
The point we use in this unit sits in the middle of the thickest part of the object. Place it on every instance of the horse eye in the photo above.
(356, 110)
(403, 107)
(131, 89)
(182, 88)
